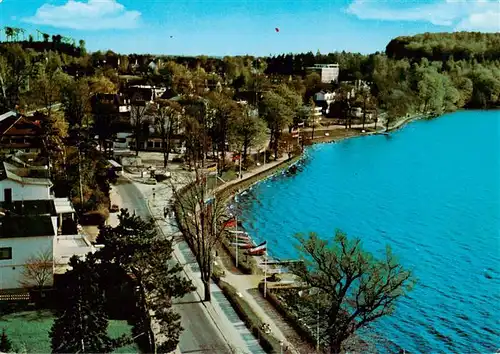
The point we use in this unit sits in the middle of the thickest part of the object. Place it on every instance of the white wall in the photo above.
(23, 248)
(26, 192)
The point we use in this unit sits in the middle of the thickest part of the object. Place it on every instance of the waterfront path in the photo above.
(224, 319)
(249, 174)
(209, 326)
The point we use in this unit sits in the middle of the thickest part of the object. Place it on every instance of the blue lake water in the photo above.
(431, 191)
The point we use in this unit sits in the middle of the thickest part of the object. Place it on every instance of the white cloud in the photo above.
(86, 15)
(462, 15)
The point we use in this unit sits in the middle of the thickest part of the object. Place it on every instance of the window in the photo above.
(7, 195)
(150, 144)
(5, 253)
(157, 144)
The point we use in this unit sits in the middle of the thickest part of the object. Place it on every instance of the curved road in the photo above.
(199, 335)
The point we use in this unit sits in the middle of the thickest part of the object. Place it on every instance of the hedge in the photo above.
(288, 316)
(269, 343)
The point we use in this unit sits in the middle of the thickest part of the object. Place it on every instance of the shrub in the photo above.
(288, 315)
(246, 264)
(96, 217)
(5, 343)
(269, 343)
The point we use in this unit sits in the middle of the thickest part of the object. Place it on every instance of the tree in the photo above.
(135, 247)
(348, 287)
(139, 118)
(201, 218)
(46, 37)
(248, 130)
(38, 270)
(279, 109)
(167, 121)
(101, 84)
(222, 112)
(5, 343)
(54, 130)
(76, 103)
(346, 97)
(365, 97)
(83, 51)
(47, 84)
(311, 117)
(16, 67)
(9, 33)
(397, 104)
(82, 326)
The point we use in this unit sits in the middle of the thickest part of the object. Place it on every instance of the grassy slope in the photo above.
(29, 331)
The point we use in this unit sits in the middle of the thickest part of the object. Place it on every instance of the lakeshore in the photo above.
(280, 323)
(266, 208)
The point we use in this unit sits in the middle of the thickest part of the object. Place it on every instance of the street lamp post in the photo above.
(317, 326)
(265, 275)
(240, 166)
(236, 239)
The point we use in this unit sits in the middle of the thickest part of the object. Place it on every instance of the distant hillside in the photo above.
(443, 46)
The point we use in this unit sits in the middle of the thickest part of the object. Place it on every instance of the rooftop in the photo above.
(68, 246)
(30, 207)
(63, 206)
(25, 175)
(319, 66)
(15, 126)
(13, 226)
(7, 115)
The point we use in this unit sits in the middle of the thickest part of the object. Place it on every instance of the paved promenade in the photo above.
(223, 316)
(219, 309)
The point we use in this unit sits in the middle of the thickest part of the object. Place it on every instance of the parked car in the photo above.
(114, 208)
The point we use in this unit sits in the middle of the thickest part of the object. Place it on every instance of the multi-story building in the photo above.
(24, 183)
(328, 72)
(36, 229)
(18, 133)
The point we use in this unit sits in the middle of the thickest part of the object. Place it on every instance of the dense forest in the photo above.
(432, 71)
(445, 46)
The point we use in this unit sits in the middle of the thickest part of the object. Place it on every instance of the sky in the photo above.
(230, 27)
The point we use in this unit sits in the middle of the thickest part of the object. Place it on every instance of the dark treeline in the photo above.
(432, 71)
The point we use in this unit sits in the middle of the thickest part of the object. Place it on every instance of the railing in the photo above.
(15, 297)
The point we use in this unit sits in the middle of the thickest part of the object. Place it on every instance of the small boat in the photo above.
(243, 245)
(258, 250)
(240, 238)
(232, 223)
(237, 232)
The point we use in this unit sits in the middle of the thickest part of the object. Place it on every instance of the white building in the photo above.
(23, 183)
(328, 72)
(34, 239)
(22, 239)
(324, 96)
(324, 99)
(34, 226)
(35, 231)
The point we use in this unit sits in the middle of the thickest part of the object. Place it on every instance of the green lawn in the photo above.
(29, 331)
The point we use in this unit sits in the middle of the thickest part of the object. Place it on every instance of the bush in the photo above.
(288, 315)
(269, 343)
(96, 217)
(246, 264)
(178, 160)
